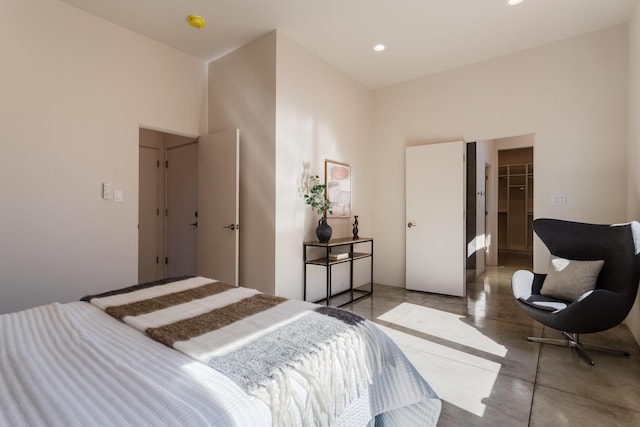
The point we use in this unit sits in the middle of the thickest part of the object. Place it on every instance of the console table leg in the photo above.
(328, 267)
(351, 270)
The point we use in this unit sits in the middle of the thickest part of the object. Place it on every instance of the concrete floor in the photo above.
(474, 353)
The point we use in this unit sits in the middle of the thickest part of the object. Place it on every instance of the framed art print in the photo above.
(337, 177)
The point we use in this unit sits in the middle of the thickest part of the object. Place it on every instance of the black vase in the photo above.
(323, 230)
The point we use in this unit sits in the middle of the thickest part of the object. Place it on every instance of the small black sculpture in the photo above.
(355, 228)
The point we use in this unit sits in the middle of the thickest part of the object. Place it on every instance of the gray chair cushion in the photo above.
(569, 279)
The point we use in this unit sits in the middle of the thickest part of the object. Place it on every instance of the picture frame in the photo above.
(337, 178)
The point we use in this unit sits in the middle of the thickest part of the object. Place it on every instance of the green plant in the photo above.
(316, 196)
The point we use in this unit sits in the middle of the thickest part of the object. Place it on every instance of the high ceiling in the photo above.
(422, 36)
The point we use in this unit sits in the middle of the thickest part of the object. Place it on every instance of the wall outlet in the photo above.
(559, 200)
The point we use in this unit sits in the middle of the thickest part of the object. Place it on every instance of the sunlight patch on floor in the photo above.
(457, 377)
(463, 372)
(441, 324)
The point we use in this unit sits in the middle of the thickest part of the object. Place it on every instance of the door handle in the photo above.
(195, 224)
(232, 226)
(412, 224)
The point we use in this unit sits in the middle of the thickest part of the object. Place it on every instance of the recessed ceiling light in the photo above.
(514, 2)
(379, 47)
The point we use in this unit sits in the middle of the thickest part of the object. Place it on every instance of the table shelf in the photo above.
(352, 257)
(326, 262)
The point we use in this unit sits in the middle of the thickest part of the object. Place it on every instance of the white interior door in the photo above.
(182, 205)
(218, 206)
(435, 223)
(148, 216)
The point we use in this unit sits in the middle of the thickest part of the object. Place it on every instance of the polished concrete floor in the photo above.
(474, 353)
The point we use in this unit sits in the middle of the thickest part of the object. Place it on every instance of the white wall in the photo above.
(633, 207)
(572, 95)
(242, 95)
(292, 109)
(321, 114)
(74, 91)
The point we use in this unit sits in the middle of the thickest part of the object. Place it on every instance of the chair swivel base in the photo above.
(573, 341)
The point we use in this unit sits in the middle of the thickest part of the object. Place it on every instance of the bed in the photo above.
(197, 352)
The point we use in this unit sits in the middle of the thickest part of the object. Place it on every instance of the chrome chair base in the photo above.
(573, 341)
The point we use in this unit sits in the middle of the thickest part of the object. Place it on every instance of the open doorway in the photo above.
(167, 205)
(487, 229)
(515, 187)
(479, 189)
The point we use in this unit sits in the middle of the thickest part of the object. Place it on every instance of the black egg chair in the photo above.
(596, 310)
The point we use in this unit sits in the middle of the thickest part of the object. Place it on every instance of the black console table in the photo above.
(327, 261)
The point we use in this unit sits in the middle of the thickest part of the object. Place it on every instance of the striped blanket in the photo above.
(306, 362)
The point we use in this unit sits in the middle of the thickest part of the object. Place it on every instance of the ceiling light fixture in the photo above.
(379, 47)
(195, 21)
(514, 2)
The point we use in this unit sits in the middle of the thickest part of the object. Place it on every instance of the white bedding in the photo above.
(71, 364)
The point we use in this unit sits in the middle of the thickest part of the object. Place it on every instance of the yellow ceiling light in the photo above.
(195, 21)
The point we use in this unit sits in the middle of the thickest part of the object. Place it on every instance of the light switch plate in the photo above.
(118, 196)
(106, 190)
(559, 200)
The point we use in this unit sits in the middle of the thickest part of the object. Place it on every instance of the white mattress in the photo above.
(73, 365)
